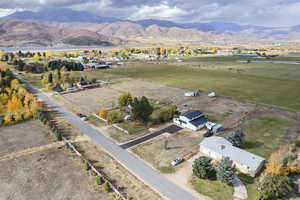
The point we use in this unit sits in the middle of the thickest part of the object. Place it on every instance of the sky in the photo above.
(255, 12)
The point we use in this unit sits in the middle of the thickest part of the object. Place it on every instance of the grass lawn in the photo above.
(241, 86)
(249, 182)
(212, 188)
(34, 79)
(133, 128)
(235, 58)
(264, 134)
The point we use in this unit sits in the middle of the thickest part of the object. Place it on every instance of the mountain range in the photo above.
(61, 25)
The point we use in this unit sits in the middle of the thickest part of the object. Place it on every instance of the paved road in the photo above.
(169, 129)
(148, 175)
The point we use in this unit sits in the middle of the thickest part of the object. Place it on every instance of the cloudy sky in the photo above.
(256, 12)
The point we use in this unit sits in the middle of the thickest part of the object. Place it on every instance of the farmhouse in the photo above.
(193, 119)
(218, 148)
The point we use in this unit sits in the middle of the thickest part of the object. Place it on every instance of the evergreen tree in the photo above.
(141, 109)
(203, 168)
(236, 138)
(225, 171)
(50, 78)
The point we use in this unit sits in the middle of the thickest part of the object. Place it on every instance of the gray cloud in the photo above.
(262, 12)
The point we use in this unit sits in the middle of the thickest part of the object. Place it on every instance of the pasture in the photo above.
(256, 85)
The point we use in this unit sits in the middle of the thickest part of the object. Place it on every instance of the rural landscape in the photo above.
(128, 108)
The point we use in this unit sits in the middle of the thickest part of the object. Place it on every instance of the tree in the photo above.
(225, 171)
(203, 168)
(236, 138)
(102, 113)
(50, 78)
(141, 109)
(8, 119)
(273, 186)
(18, 116)
(125, 99)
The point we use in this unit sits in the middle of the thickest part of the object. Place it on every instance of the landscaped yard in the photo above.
(212, 188)
(249, 182)
(264, 134)
(259, 89)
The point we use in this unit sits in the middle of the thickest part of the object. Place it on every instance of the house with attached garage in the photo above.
(218, 148)
(193, 119)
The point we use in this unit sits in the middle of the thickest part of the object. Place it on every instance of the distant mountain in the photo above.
(24, 33)
(223, 26)
(92, 28)
(163, 23)
(60, 15)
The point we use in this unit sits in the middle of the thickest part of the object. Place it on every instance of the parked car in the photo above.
(176, 161)
(208, 133)
(82, 116)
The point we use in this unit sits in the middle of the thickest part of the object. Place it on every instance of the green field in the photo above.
(264, 134)
(257, 88)
(235, 58)
(212, 188)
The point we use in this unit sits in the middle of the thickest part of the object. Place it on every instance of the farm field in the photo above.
(50, 173)
(255, 88)
(264, 134)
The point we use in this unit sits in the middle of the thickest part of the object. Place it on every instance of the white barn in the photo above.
(218, 148)
(193, 119)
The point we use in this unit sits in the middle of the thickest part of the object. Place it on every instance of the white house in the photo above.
(218, 147)
(193, 119)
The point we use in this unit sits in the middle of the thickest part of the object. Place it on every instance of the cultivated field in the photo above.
(253, 86)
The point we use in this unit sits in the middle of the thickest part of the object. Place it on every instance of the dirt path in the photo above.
(39, 148)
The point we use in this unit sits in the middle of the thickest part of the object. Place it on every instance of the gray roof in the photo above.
(223, 147)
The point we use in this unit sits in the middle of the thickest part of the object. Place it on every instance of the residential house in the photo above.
(193, 119)
(218, 148)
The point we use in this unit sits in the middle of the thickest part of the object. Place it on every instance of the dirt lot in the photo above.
(128, 183)
(44, 174)
(52, 174)
(180, 144)
(89, 101)
(22, 136)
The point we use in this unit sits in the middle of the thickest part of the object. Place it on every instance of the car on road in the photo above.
(176, 161)
(82, 116)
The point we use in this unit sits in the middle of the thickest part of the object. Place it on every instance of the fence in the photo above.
(114, 125)
(116, 191)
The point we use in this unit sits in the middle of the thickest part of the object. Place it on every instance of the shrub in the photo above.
(99, 180)
(105, 187)
(125, 99)
(86, 165)
(203, 168)
(102, 113)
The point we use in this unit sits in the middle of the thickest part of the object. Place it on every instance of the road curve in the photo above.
(137, 167)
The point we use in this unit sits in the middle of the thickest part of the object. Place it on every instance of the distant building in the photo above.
(218, 148)
(193, 119)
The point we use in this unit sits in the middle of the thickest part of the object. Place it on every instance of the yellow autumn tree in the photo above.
(8, 119)
(14, 84)
(276, 164)
(3, 66)
(18, 116)
(102, 113)
(28, 98)
(14, 104)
